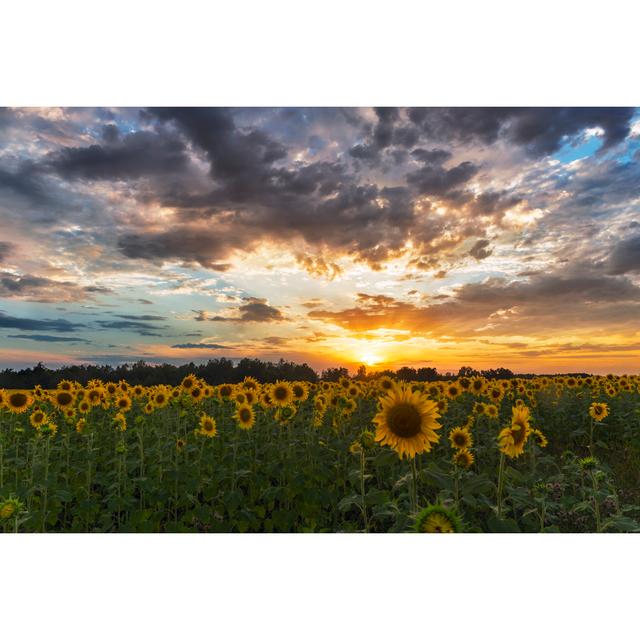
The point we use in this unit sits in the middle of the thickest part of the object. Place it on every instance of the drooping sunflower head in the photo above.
(407, 421)
(18, 401)
(460, 438)
(512, 439)
(9, 508)
(437, 519)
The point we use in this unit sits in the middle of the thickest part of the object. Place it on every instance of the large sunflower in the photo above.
(513, 438)
(407, 421)
(17, 401)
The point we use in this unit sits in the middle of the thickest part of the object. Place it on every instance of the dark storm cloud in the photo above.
(30, 324)
(138, 154)
(540, 131)
(625, 257)
(206, 247)
(435, 180)
(44, 338)
(25, 182)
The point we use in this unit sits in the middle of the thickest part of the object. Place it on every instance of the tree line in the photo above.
(222, 370)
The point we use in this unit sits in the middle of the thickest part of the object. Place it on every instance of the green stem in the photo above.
(363, 491)
(414, 486)
(500, 485)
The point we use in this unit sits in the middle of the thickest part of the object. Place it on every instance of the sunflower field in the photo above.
(542, 454)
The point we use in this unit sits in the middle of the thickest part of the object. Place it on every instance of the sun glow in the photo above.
(370, 358)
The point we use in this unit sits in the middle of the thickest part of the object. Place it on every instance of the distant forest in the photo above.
(218, 371)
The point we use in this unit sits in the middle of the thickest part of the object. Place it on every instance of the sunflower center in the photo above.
(245, 415)
(64, 398)
(18, 400)
(404, 420)
(280, 393)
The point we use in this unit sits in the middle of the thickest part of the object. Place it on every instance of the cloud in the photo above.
(481, 250)
(253, 310)
(625, 256)
(141, 328)
(44, 338)
(30, 324)
(138, 154)
(200, 345)
(6, 248)
(148, 318)
(40, 289)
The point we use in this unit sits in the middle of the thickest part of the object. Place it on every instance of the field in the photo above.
(543, 454)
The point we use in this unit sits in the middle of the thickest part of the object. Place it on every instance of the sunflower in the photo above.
(120, 421)
(226, 391)
(84, 406)
(123, 403)
(9, 508)
(50, 427)
(160, 398)
(62, 399)
(189, 382)
(250, 383)
(180, 443)
(478, 385)
(81, 425)
(453, 391)
(300, 391)
(65, 385)
(111, 388)
(208, 426)
(281, 394)
(94, 396)
(148, 408)
(463, 458)
(491, 410)
(385, 383)
(245, 416)
(599, 411)
(18, 401)
(460, 438)
(540, 438)
(407, 422)
(512, 439)
(38, 418)
(437, 519)
(196, 393)
(250, 396)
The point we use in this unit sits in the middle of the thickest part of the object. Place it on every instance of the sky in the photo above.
(443, 237)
